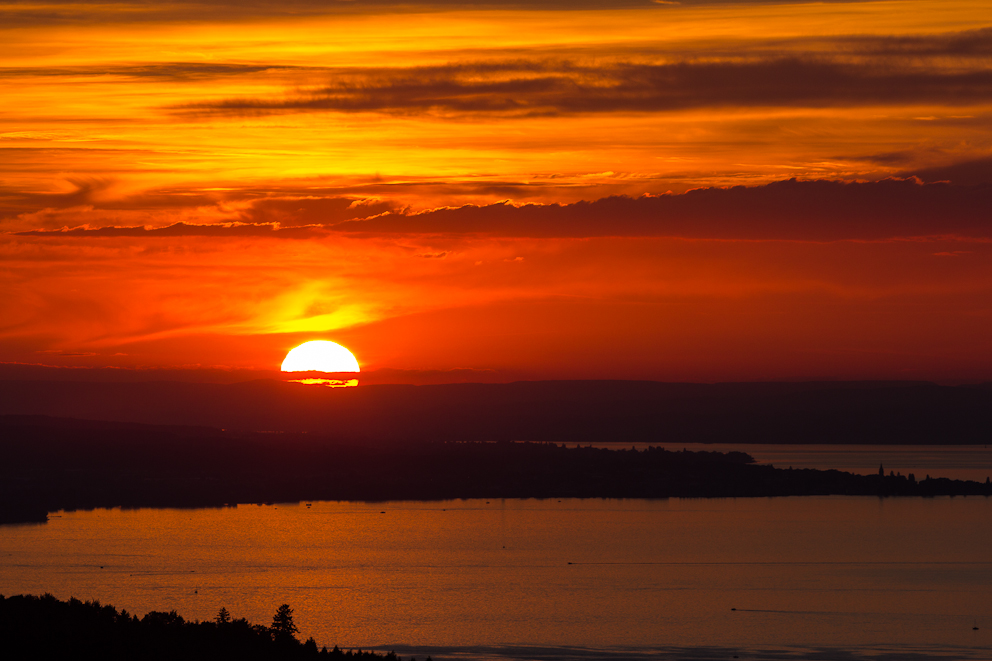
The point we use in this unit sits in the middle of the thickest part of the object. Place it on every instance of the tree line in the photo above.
(46, 627)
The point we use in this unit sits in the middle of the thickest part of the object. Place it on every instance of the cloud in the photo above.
(94, 200)
(802, 210)
(153, 72)
(967, 43)
(233, 230)
(312, 210)
(784, 210)
(68, 354)
(528, 88)
(94, 204)
(971, 172)
(68, 12)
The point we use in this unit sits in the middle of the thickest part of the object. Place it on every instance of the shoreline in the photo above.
(65, 464)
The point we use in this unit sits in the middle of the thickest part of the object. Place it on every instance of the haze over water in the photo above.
(485, 578)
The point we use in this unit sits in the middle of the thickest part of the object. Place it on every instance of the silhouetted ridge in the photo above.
(542, 411)
(55, 465)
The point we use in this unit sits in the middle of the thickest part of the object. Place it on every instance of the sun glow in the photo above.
(320, 356)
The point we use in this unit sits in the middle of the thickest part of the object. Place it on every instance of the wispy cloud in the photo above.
(529, 88)
(75, 12)
(156, 71)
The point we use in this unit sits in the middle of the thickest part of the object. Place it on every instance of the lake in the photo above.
(548, 578)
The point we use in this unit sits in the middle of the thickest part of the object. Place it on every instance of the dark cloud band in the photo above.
(786, 210)
(552, 88)
(791, 210)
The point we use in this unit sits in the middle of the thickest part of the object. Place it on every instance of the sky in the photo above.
(680, 191)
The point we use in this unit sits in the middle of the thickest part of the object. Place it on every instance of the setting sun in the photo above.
(320, 356)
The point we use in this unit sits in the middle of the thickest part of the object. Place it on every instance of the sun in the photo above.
(320, 356)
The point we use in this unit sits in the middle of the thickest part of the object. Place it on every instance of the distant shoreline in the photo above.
(62, 464)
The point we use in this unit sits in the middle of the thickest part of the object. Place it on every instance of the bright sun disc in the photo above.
(320, 356)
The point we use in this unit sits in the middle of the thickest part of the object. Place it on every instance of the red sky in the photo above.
(544, 189)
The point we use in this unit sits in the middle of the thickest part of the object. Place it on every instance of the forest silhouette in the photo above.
(46, 627)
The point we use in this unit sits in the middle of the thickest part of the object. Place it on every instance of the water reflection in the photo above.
(331, 383)
(829, 572)
(327, 379)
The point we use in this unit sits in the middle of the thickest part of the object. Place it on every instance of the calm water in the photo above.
(537, 579)
(958, 462)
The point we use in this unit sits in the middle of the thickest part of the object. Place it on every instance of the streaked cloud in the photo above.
(75, 12)
(832, 73)
(785, 210)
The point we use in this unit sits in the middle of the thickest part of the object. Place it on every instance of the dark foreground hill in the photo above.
(51, 464)
(541, 411)
(47, 628)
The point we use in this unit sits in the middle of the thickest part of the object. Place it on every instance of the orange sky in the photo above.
(240, 149)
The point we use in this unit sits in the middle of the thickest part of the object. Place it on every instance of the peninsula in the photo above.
(56, 464)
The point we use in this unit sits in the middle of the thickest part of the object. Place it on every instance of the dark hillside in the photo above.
(541, 411)
(54, 464)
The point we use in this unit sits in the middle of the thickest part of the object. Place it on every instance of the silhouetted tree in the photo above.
(163, 619)
(283, 628)
(223, 616)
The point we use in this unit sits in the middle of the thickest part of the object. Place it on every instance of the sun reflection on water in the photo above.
(330, 383)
